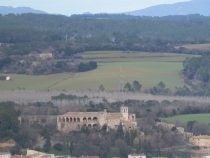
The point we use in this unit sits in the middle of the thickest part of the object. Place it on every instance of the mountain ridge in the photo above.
(4, 10)
(181, 8)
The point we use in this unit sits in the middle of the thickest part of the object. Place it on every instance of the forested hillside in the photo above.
(24, 37)
(197, 72)
(77, 33)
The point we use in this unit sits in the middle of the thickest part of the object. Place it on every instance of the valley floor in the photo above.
(24, 96)
(114, 70)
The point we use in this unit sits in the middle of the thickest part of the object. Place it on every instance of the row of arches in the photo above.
(90, 125)
(78, 119)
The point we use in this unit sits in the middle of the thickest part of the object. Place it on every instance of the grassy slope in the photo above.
(203, 118)
(149, 69)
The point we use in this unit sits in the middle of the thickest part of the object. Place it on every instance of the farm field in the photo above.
(203, 47)
(114, 68)
(202, 118)
(109, 56)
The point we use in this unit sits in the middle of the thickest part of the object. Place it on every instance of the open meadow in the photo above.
(202, 118)
(114, 70)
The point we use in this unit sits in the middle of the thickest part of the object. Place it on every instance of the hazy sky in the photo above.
(68, 7)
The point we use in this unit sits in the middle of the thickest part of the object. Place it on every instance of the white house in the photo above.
(45, 56)
(5, 78)
(136, 156)
(8, 78)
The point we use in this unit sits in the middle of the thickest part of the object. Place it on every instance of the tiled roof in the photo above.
(116, 115)
(82, 114)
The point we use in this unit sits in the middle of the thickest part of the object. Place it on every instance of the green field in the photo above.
(113, 68)
(203, 118)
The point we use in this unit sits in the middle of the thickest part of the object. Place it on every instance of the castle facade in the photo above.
(72, 121)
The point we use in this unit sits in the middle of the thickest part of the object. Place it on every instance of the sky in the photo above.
(68, 7)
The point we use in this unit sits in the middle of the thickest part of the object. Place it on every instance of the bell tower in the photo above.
(124, 112)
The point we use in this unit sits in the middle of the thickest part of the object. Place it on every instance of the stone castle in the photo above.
(72, 121)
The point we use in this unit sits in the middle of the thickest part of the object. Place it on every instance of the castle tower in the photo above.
(124, 112)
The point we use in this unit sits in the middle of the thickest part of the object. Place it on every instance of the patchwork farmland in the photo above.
(114, 68)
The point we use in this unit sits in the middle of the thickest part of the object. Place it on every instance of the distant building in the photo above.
(45, 56)
(166, 125)
(8, 78)
(37, 154)
(5, 155)
(76, 120)
(202, 141)
(5, 78)
(137, 156)
(170, 127)
(88, 157)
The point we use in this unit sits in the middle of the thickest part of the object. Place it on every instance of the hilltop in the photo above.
(182, 8)
(4, 10)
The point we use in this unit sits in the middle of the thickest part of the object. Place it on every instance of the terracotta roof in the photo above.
(82, 113)
(116, 115)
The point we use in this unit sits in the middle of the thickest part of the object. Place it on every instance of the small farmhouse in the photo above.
(45, 56)
(202, 141)
(137, 156)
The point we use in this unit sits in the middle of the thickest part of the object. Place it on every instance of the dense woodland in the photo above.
(197, 73)
(100, 32)
(29, 34)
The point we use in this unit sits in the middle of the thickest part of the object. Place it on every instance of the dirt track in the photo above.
(45, 96)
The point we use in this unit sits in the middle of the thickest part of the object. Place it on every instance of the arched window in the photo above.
(78, 119)
(67, 119)
(89, 118)
(71, 119)
(95, 119)
(84, 119)
(95, 126)
(75, 120)
(89, 125)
